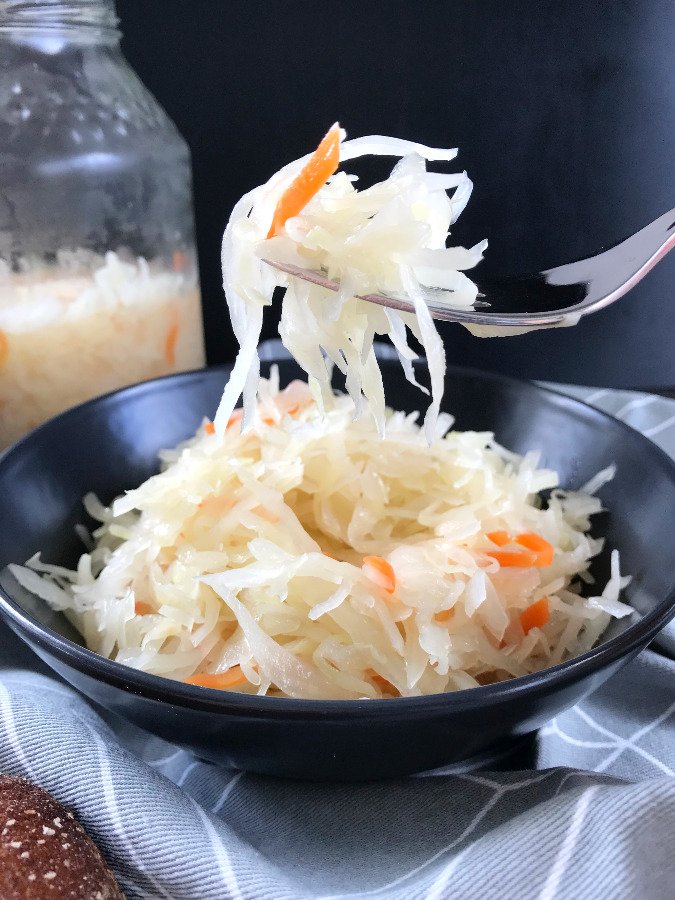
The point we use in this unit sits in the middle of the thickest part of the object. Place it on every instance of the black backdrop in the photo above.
(563, 112)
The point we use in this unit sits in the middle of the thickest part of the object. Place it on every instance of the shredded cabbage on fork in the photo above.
(390, 237)
(314, 558)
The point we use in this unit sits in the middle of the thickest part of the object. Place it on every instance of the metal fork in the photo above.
(547, 298)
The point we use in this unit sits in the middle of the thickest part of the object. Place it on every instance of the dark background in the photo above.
(563, 113)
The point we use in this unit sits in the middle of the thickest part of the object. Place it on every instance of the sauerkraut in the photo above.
(390, 237)
(88, 324)
(308, 556)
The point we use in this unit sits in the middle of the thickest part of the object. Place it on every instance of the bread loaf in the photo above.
(44, 851)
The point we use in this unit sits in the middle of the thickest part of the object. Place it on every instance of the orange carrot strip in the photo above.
(235, 417)
(535, 616)
(216, 504)
(500, 538)
(521, 558)
(221, 681)
(383, 684)
(178, 261)
(311, 178)
(171, 340)
(380, 572)
(141, 608)
(536, 542)
(445, 615)
(265, 514)
(209, 428)
(4, 348)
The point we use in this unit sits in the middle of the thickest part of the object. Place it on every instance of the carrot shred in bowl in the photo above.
(500, 538)
(514, 558)
(538, 545)
(380, 572)
(220, 681)
(535, 616)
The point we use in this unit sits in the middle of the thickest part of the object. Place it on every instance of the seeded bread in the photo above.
(45, 852)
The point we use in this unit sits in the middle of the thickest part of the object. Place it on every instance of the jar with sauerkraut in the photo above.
(98, 275)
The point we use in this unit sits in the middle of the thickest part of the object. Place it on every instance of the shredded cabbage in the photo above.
(390, 237)
(249, 551)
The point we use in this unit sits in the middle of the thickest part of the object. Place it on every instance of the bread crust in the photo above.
(44, 851)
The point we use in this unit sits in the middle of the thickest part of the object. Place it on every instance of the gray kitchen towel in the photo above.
(585, 810)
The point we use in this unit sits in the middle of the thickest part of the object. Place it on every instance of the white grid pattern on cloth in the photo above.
(562, 860)
(629, 743)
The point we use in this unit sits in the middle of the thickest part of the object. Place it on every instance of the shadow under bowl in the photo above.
(110, 444)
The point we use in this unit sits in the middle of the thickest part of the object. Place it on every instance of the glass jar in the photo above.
(98, 274)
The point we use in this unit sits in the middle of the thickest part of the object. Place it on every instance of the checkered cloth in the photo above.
(586, 810)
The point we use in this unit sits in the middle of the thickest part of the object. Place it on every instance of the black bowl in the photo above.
(111, 444)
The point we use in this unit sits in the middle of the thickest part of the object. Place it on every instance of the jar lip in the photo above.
(84, 19)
